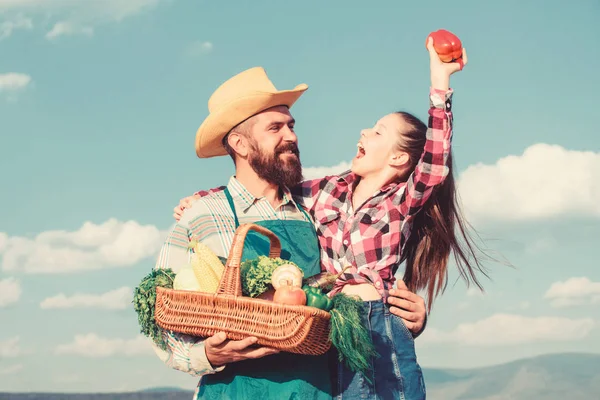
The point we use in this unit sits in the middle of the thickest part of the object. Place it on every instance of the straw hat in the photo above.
(239, 98)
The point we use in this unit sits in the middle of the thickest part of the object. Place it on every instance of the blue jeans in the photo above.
(395, 374)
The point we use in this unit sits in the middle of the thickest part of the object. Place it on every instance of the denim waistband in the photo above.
(376, 307)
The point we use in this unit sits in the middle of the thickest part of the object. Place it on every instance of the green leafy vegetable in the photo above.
(349, 335)
(256, 274)
(144, 297)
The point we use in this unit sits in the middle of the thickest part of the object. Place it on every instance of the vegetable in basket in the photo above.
(144, 297)
(203, 273)
(256, 274)
(287, 274)
(316, 298)
(324, 280)
(288, 293)
(349, 335)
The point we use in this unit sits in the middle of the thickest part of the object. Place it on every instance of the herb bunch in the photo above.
(144, 297)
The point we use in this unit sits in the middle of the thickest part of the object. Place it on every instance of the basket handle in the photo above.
(230, 281)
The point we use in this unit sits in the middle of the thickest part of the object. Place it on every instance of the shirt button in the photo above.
(378, 284)
(346, 242)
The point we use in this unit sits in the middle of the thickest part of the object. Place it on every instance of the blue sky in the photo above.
(100, 101)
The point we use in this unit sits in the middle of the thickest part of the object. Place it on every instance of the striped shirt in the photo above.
(211, 221)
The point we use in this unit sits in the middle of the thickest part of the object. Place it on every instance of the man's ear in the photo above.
(399, 159)
(238, 143)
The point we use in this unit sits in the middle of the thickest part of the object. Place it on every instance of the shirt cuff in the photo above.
(199, 362)
(441, 99)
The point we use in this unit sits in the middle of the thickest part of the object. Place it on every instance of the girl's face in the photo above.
(377, 147)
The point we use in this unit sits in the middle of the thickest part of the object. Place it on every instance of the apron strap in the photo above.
(232, 205)
(308, 219)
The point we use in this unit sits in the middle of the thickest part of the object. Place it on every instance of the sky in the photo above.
(100, 101)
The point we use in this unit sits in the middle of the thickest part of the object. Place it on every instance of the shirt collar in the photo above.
(351, 179)
(244, 199)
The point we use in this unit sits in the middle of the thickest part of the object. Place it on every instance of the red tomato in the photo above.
(446, 44)
(287, 294)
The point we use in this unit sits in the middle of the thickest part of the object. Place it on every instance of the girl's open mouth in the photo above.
(361, 151)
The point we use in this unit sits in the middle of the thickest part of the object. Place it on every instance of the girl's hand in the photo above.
(409, 306)
(183, 204)
(441, 71)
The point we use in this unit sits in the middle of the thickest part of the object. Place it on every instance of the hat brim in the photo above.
(210, 134)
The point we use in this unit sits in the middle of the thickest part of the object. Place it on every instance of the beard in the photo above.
(273, 169)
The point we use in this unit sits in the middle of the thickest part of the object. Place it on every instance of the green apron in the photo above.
(281, 376)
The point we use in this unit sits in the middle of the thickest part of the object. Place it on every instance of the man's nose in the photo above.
(289, 135)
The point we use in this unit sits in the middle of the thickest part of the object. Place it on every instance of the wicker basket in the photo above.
(290, 328)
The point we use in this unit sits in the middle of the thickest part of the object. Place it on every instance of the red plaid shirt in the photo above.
(371, 240)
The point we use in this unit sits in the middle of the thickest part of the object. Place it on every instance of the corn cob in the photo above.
(207, 267)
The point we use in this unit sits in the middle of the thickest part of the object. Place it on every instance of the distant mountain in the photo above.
(569, 376)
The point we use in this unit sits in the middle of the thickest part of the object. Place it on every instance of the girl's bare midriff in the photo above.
(365, 291)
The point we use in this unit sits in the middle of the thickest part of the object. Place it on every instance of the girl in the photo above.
(397, 204)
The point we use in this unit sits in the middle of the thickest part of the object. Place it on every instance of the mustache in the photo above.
(293, 147)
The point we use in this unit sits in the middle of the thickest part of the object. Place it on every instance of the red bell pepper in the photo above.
(446, 44)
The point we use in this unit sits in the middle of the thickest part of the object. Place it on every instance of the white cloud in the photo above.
(3, 241)
(10, 348)
(92, 345)
(12, 369)
(13, 81)
(18, 21)
(574, 292)
(198, 48)
(10, 291)
(509, 329)
(320, 172)
(545, 181)
(110, 244)
(68, 28)
(118, 299)
(70, 17)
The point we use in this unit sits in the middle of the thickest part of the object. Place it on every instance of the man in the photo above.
(250, 120)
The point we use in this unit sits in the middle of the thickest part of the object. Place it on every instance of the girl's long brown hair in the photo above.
(438, 229)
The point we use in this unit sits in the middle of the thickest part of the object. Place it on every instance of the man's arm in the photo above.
(184, 353)
(191, 354)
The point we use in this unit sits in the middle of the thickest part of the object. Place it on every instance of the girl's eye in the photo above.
(377, 133)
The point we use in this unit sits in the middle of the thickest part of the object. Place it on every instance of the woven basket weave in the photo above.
(290, 328)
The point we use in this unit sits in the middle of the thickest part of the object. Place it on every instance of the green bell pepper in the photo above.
(316, 298)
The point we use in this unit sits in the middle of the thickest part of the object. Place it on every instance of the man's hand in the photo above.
(408, 306)
(183, 204)
(221, 351)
